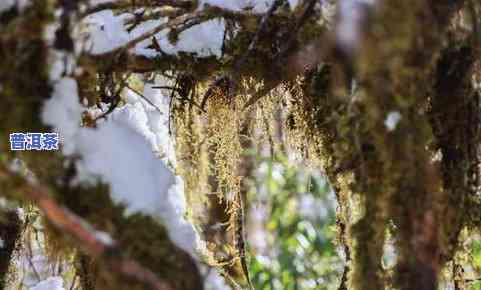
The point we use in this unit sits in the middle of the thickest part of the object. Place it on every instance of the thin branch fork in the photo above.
(225, 81)
(309, 7)
(185, 21)
(260, 30)
(84, 235)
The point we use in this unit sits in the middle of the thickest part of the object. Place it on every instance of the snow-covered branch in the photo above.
(126, 4)
(84, 235)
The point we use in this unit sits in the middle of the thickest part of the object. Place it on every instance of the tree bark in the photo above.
(10, 225)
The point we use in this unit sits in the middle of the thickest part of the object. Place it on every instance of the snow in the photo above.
(392, 120)
(52, 283)
(214, 281)
(204, 39)
(131, 150)
(8, 4)
(97, 2)
(61, 68)
(390, 254)
(125, 152)
(107, 32)
(33, 268)
(63, 111)
(258, 6)
(104, 237)
(351, 14)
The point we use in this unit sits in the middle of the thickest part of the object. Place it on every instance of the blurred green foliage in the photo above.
(476, 253)
(476, 261)
(299, 229)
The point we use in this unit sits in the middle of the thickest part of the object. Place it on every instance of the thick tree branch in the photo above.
(10, 228)
(84, 235)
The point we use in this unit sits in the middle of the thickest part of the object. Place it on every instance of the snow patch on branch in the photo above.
(204, 39)
(125, 151)
(259, 6)
(392, 120)
(107, 32)
(52, 283)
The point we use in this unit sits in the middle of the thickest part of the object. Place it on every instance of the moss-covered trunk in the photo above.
(10, 227)
(379, 140)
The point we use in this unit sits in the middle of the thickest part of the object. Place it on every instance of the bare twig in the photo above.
(30, 262)
(116, 99)
(177, 90)
(165, 88)
(171, 102)
(143, 97)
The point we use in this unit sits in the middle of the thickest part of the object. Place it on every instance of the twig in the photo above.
(260, 30)
(116, 99)
(226, 80)
(224, 38)
(83, 234)
(165, 88)
(143, 97)
(74, 280)
(309, 8)
(30, 262)
(142, 16)
(240, 240)
(171, 102)
(196, 18)
(309, 4)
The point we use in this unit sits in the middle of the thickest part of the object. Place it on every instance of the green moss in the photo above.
(23, 72)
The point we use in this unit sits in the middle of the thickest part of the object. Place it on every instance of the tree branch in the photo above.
(84, 235)
(115, 5)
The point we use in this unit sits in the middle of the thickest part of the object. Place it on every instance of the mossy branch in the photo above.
(82, 233)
